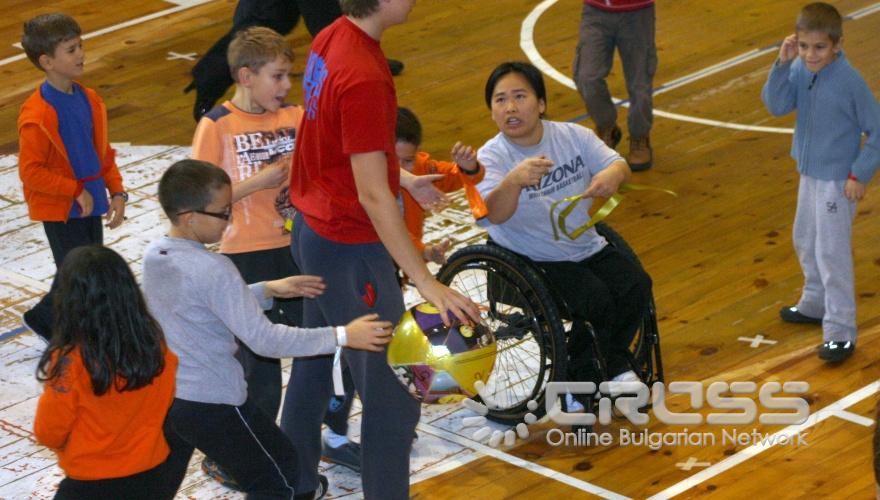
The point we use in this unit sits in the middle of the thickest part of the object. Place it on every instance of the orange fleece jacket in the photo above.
(49, 183)
(113, 435)
(454, 179)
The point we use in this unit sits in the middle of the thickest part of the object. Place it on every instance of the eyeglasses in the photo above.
(225, 215)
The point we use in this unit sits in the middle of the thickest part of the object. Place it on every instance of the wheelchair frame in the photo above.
(529, 320)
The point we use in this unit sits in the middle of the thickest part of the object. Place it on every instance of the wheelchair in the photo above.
(531, 323)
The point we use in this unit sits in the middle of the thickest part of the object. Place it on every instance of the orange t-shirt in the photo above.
(455, 179)
(113, 435)
(242, 144)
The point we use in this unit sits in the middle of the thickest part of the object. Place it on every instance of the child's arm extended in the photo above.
(240, 307)
(56, 412)
(778, 94)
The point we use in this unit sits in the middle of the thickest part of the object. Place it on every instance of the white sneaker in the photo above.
(627, 376)
(573, 405)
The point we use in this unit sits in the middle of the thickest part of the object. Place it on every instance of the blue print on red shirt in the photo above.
(313, 81)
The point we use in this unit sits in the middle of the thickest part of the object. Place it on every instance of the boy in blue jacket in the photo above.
(834, 108)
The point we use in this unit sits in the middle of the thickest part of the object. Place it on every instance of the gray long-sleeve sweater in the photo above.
(202, 304)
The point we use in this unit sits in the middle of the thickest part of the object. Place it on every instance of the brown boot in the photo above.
(610, 135)
(640, 154)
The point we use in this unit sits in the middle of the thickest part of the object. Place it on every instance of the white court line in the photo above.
(755, 449)
(180, 6)
(519, 462)
(527, 43)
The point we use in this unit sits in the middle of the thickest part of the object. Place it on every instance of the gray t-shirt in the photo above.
(202, 303)
(577, 155)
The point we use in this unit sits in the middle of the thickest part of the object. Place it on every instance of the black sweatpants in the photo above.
(242, 440)
(263, 375)
(63, 237)
(612, 293)
(157, 483)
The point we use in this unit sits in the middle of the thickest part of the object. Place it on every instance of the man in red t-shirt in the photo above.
(344, 181)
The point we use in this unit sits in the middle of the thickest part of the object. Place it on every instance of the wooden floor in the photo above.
(720, 254)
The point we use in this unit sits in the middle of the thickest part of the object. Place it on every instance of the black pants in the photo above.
(612, 293)
(263, 375)
(63, 237)
(211, 74)
(242, 440)
(153, 484)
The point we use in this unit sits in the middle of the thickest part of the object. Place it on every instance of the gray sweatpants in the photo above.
(822, 239)
(633, 35)
(390, 414)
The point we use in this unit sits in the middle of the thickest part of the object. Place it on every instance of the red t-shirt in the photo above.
(350, 107)
(619, 5)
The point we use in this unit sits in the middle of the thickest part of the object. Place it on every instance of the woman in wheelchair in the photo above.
(533, 162)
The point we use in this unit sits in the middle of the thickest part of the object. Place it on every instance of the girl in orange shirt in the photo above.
(109, 381)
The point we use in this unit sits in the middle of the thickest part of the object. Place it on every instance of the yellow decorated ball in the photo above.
(438, 363)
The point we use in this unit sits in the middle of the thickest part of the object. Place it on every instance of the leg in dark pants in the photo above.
(153, 484)
(612, 293)
(63, 237)
(390, 413)
(211, 74)
(241, 439)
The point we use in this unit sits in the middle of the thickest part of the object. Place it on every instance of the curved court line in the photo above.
(527, 44)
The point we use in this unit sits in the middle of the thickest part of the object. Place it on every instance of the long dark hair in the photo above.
(100, 310)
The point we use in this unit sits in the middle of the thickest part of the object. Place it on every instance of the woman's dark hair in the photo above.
(528, 71)
(408, 127)
(100, 310)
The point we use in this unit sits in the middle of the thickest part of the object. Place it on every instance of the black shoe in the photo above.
(212, 470)
(204, 100)
(791, 314)
(321, 492)
(395, 66)
(347, 455)
(835, 352)
(30, 321)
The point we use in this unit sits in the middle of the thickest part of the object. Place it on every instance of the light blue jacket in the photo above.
(835, 107)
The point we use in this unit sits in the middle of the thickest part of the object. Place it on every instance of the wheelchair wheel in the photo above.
(645, 349)
(517, 307)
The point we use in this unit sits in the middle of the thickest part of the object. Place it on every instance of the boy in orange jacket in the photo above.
(464, 172)
(67, 168)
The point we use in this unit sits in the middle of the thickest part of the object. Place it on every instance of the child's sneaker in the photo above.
(29, 321)
(835, 352)
(323, 486)
(790, 314)
(212, 470)
(346, 455)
